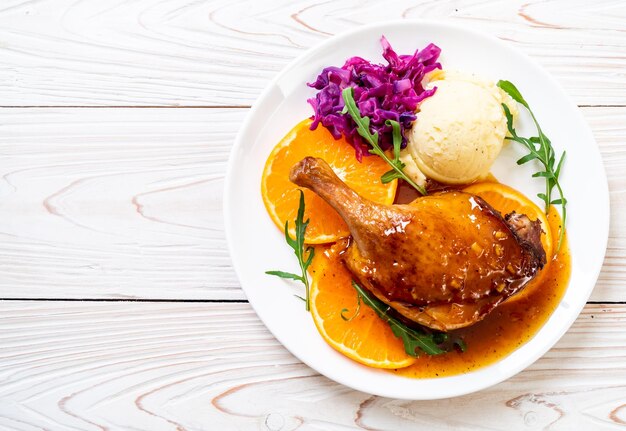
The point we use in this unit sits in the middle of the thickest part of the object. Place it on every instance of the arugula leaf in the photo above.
(305, 256)
(415, 341)
(539, 148)
(363, 128)
(283, 274)
(513, 92)
(397, 146)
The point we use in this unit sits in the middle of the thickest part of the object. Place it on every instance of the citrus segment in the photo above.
(365, 338)
(281, 196)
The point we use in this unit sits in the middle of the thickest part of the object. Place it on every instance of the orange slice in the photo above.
(365, 338)
(281, 196)
(506, 199)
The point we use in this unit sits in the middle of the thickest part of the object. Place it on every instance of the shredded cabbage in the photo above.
(382, 92)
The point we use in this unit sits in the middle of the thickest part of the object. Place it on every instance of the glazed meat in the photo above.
(443, 261)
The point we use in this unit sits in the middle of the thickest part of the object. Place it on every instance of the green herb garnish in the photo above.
(363, 128)
(415, 341)
(540, 148)
(305, 257)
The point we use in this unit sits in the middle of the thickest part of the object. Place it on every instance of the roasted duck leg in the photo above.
(444, 261)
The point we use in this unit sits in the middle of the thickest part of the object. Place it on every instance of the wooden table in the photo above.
(121, 310)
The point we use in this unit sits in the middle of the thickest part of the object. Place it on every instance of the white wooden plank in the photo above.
(223, 52)
(127, 203)
(115, 202)
(609, 129)
(150, 366)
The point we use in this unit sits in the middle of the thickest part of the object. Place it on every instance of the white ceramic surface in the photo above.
(256, 245)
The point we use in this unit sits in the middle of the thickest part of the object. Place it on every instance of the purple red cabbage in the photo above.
(382, 92)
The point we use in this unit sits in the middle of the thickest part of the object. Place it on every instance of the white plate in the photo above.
(256, 245)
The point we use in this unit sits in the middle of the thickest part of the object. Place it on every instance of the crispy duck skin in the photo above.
(444, 261)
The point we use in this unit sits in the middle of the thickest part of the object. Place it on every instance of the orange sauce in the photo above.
(509, 325)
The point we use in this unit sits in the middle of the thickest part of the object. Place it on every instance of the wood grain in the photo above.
(115, 203)
(223, 52)
(140, 366)
(127, 203)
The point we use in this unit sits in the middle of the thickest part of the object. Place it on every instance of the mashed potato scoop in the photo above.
(459, 131)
